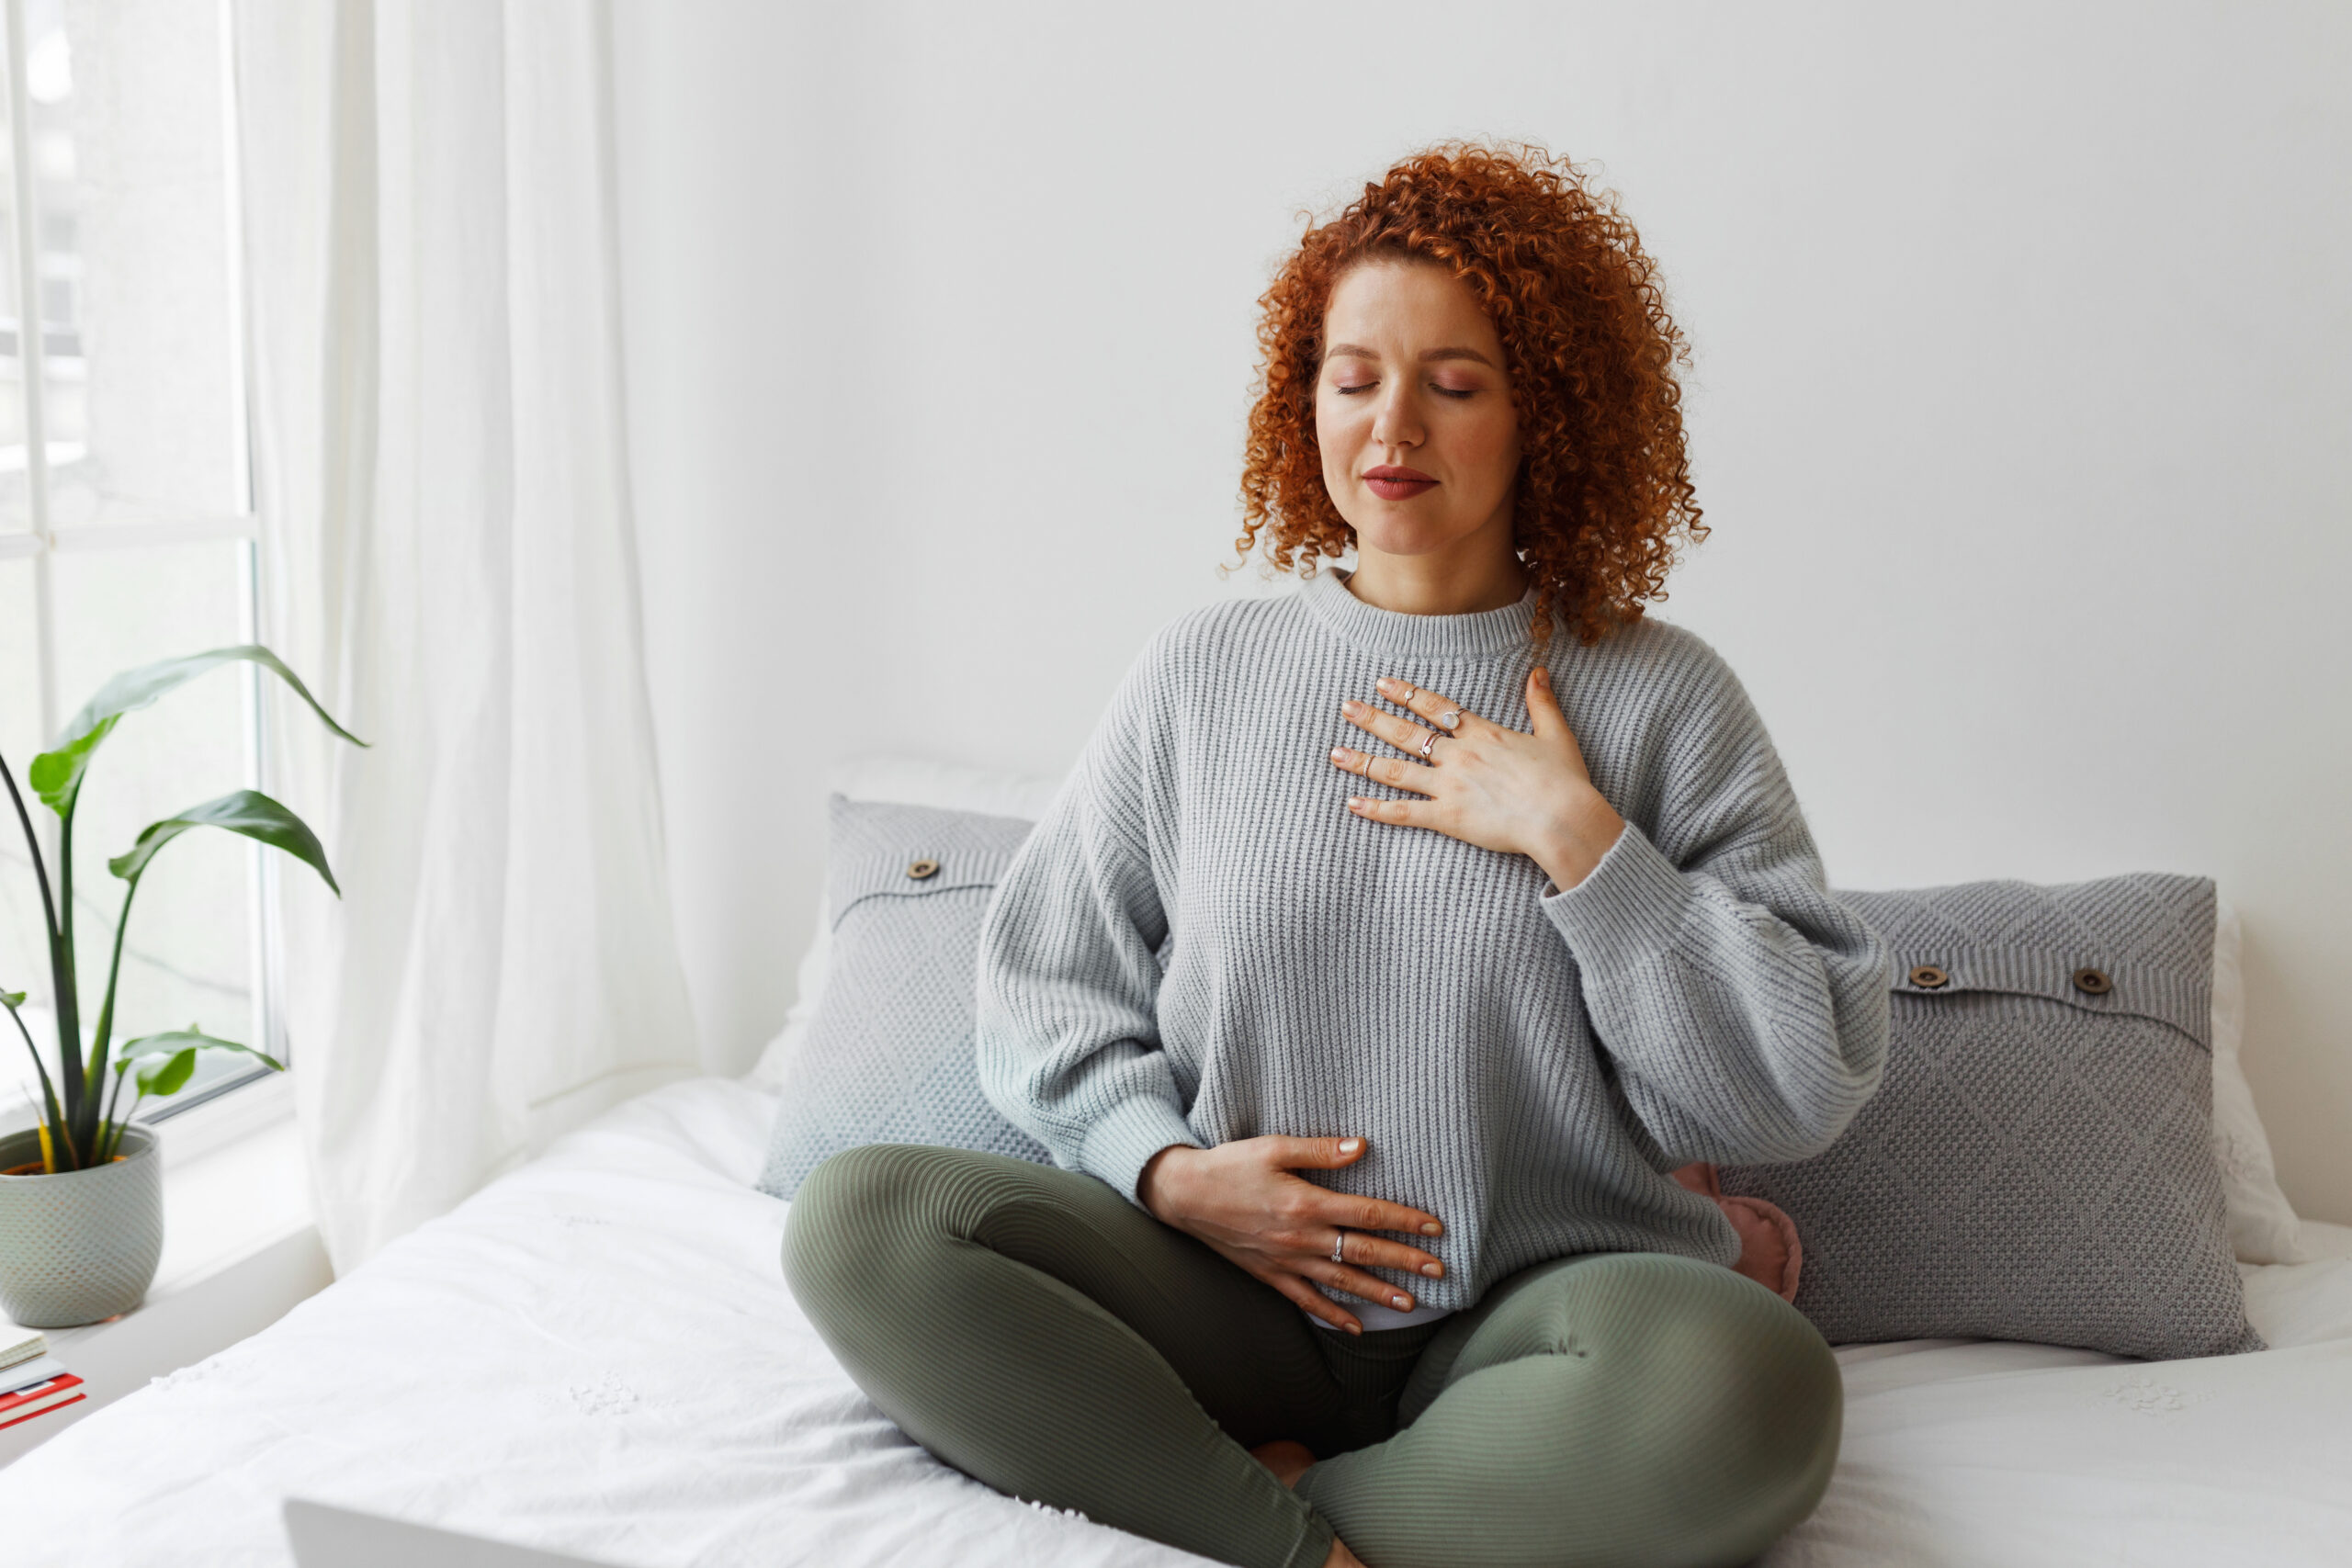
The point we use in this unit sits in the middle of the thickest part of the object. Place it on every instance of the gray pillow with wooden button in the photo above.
(889, 1057)
(2038, 1163)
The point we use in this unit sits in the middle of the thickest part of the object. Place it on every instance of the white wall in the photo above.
(2020, 410)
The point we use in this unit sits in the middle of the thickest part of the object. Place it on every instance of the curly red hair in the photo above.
(1603, 496)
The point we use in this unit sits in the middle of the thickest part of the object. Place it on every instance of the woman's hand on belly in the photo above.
(1505, 790)
(1241, 1200)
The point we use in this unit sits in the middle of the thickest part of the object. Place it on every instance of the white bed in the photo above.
(597, 1353)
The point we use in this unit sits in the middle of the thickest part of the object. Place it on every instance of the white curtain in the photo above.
(431, 272)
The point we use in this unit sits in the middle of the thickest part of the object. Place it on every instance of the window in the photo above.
(127, 531)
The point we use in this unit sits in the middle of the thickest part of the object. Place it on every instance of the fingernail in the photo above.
(1433, 1228)
(1338, 753)
(1542, 676)
(1355, 1329)
(1434, 1270)
(1387, 682)
(1350, 1145)
(1402, 1303)
(1350, 706)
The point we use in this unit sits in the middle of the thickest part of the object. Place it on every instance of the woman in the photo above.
(1477, 933)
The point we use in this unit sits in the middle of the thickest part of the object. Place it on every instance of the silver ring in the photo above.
(1450, 717)
(1366, 770)
(1430, 744)
(1338, 1242)
(1411, 691)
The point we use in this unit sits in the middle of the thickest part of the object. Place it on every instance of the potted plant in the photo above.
(81, 1195)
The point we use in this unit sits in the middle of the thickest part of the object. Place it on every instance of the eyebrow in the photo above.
(1433, 354)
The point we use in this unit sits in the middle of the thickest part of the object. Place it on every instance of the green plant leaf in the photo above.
(167, 1074)
(12, 1000)
(56, 774)
(247, 811)
(172, 1041)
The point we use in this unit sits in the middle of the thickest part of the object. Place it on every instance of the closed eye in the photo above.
(1351, 391)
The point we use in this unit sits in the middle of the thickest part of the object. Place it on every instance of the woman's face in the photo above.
(1412, 410)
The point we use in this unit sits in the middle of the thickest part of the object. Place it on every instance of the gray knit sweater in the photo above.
(1200, 943)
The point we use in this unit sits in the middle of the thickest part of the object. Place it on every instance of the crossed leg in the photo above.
(1612, 1409)
(1035, 1330)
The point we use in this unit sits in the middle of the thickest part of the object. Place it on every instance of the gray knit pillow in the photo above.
(2038, 1163)
(888, 1058)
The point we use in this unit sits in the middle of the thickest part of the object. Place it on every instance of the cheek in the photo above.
(1490, 444)
(1334, 422)
(1339, 431)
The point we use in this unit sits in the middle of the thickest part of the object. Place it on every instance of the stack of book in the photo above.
(32, 1382)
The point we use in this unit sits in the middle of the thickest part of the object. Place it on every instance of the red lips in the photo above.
(1393, 483)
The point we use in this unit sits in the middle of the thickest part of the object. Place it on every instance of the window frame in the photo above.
(40, 541)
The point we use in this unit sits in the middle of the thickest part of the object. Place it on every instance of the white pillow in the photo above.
(2263, 1226)
(909, 782)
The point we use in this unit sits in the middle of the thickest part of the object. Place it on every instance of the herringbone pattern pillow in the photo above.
(2038, 1163)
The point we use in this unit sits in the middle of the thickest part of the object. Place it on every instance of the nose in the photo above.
(1398, 422)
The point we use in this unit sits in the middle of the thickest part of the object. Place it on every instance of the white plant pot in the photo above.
(82, 1245)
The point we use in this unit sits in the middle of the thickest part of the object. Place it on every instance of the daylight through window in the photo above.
(127, 532)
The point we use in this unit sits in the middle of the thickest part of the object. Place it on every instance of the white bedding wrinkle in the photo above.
(2309, 1303)
(617, 1369)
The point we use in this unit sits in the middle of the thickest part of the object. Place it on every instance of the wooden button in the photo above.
(923, 869)
(2093, 982)
(1927, 977)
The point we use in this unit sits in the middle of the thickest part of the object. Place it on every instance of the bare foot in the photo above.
(1288, 1461)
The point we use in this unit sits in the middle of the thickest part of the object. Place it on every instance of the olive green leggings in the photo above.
(1035, 1330)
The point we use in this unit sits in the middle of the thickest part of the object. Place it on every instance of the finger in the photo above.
(1542, 706)
(1403, 734)
(1368, 1251)
(1415, 776)
(1313, 1300)
(1356, 1282)
(1345, 1210)
(1444, 713)
(1317, 1153)
(1403, 813)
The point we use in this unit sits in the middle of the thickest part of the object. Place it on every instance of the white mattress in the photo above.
(597, 1353)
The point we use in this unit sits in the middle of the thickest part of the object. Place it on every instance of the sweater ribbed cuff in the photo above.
(1628, 909)
(1122, 1139)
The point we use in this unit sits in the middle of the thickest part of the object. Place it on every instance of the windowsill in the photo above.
(239, 1251)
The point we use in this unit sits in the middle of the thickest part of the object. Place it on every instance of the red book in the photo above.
(70, 1396)
(27, 1403)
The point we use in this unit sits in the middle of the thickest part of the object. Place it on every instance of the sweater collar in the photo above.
(1479, 634)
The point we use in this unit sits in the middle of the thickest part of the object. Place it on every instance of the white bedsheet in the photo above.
(597, 1353)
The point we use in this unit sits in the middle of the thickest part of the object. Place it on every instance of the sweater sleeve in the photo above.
(1745, 1006)
(1069, 972)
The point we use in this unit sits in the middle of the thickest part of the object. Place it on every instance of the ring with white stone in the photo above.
(1430, 744)
(1411, 691)
(1338, 1242)
(1450, 717)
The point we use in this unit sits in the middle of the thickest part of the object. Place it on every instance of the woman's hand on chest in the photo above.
(1507, 790)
